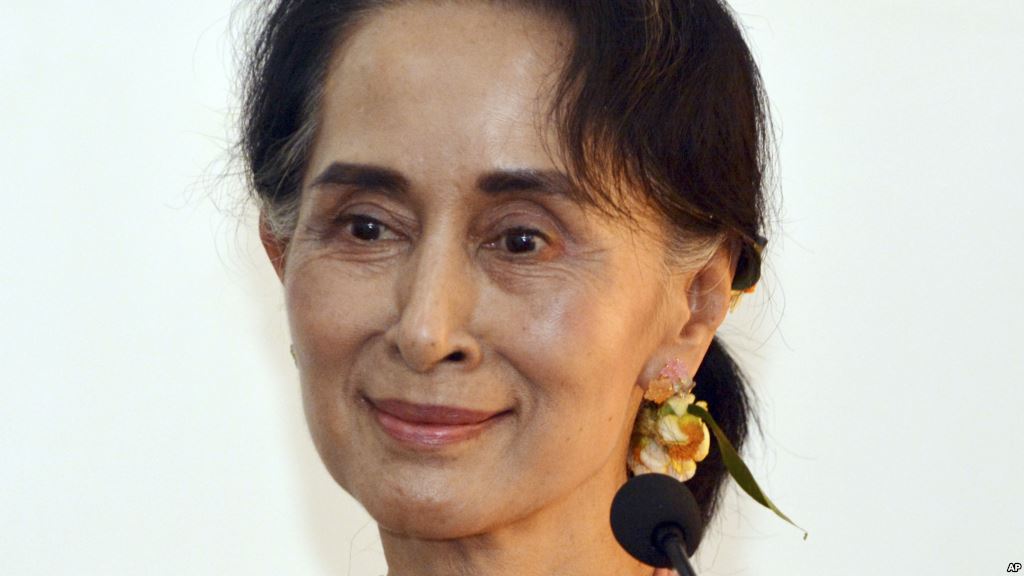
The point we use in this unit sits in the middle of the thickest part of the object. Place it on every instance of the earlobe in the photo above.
(276, 248)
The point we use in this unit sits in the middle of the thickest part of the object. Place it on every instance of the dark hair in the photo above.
(660, 95)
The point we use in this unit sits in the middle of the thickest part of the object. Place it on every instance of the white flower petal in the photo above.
(639, 469)
(669, 430)
(654, 457)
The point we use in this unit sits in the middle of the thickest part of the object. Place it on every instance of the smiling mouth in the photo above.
(430, 427)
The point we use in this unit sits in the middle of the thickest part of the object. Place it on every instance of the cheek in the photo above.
(331, 316)
(580, 336)
(579, 354)
(332, 312)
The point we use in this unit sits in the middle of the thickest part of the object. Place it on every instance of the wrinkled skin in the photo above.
(518, 302)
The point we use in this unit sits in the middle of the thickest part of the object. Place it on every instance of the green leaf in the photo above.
(737, 469)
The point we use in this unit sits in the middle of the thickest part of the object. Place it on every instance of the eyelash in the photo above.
(518, 232)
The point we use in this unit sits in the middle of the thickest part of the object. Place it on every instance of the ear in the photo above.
(702, 304)
(276, 248)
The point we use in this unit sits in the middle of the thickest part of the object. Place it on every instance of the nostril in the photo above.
(456, 356)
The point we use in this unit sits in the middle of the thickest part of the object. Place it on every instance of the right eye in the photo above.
(363, 228)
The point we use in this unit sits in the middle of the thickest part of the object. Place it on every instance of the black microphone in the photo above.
(657, 520)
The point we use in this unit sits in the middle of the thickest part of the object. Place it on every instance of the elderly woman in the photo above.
(496, 224)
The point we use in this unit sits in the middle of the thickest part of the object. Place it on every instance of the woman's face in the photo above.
(469, 339)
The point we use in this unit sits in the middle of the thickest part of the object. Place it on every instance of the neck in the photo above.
(570, 537)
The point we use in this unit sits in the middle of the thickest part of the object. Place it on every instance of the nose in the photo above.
(436, 297)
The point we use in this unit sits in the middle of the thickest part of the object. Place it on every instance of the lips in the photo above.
(428, 414)
(431, 426)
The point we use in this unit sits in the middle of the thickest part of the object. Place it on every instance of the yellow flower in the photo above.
(682, 470)
(669, 440)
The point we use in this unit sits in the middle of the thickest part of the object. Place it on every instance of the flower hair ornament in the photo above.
(671, 435)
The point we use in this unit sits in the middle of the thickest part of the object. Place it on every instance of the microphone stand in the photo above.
(670, 539)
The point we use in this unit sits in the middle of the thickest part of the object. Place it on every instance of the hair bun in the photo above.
(748, 269)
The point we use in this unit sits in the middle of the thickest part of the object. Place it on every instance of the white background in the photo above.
(149, 413)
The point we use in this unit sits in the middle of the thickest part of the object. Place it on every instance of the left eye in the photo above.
(365, 228)
(520, 240)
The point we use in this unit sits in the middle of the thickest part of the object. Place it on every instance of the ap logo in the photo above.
(1013, 567)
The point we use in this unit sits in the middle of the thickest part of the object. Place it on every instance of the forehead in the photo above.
(442, 83)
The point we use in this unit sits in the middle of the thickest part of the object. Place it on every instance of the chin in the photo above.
(427, 510)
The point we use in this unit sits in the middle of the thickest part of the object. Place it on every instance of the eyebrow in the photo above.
(493, 183)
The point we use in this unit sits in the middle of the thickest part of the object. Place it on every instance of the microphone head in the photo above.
(645, 503)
